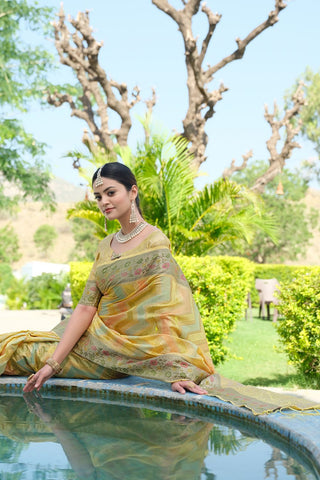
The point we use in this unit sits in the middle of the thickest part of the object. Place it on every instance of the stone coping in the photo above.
(301, 430)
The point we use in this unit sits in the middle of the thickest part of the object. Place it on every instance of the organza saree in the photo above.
(146, 324)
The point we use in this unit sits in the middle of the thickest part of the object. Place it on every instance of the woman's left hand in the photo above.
(187, 385)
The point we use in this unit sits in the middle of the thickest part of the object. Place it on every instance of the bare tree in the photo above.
(277, 159)
(201, 100)
(99, 93)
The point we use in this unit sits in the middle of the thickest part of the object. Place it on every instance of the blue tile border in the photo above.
(301, 430)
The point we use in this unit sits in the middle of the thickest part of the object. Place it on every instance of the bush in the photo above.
(6, 277)
(44, 238)
(219, 286)
(40, 293)
(299, 331)
(9, 245)
(79, 272)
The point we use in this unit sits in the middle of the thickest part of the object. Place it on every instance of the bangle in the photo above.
(56, 367)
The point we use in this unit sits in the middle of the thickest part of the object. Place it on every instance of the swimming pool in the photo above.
(135, 422)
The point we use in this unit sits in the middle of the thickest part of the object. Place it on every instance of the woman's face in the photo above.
(113, 199)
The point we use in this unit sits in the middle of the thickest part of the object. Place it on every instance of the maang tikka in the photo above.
(133, 214)
(99, 180)
(98, 183)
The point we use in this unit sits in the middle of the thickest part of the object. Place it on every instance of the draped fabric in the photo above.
(146, 324)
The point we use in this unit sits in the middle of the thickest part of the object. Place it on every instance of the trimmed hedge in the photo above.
(299, 331)
(219, 285)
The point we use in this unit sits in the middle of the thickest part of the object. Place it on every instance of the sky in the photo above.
(143, 47)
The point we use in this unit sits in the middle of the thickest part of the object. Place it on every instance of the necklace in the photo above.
(121, 238)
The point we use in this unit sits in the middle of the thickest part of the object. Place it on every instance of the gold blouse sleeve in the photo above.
(91, 294)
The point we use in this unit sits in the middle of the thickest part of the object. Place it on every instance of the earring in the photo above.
(133, 214)
(105, 224)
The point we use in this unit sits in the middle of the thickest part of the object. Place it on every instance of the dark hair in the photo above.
(122, 174)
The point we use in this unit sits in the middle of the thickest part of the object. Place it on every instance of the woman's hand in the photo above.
(36, 380)
(187, 385)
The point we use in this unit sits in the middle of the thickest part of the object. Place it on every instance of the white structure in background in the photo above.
(34, 269)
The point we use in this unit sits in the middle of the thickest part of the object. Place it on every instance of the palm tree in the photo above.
(194, 221)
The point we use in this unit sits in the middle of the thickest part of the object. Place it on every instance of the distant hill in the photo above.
(31, 216)
(66, 192)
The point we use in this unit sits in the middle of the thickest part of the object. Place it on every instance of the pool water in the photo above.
(65, 439)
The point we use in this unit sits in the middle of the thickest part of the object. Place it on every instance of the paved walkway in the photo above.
(45, 320)
(15, 320)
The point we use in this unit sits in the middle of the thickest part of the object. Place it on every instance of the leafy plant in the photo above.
(44, 238)
(6, 277)
(295, 222)
(40, 293)
(86, 244)
(23, 72)
(9, 245)
(300, 330)
(195, 222)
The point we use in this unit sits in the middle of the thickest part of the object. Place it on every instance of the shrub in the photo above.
(44, 238)
(6, 277)
(79, 272)
(299, 331)
(40, 293)
(9, 245)
(219, 286)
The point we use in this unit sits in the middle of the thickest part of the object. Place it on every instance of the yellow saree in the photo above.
(146, 324)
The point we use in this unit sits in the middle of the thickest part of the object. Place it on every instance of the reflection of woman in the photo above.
(129, 441)
(136, 315)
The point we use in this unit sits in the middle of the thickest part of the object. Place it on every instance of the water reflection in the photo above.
(69, 439)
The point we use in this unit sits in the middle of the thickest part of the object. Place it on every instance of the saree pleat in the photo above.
(147, 324)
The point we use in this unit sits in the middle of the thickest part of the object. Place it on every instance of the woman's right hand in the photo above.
(36, 380)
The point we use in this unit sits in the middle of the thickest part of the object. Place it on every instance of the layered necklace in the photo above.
(121, 238)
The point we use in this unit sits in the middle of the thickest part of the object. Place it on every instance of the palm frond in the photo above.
(89, 210)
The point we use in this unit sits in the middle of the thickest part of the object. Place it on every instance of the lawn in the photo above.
(258, 361)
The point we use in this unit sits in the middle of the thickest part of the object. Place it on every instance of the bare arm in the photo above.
(79, 321)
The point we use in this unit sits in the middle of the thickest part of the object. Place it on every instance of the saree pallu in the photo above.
(146, 324)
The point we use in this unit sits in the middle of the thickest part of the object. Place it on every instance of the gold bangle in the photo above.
(56, 367)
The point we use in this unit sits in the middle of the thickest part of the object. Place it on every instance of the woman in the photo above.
(136, 315)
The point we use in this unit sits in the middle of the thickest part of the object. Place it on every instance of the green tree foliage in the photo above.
(40, 293)
(6, 277)
(9, 245)
(22, 79)
(86, 243)
(294, 221)
(310, 114)
(195, 222)
(44, 238)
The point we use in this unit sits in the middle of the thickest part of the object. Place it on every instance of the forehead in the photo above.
(107, 183)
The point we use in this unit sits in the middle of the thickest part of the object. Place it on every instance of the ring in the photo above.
(30, 377)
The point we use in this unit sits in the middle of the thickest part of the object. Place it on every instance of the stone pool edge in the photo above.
(300, 429)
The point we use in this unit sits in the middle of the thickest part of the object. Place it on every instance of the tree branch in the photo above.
(277, 159)
(233, 168)
(201, 100)
(242, 44)
(100, 94)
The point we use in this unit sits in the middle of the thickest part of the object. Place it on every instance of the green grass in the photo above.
(255, 344)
